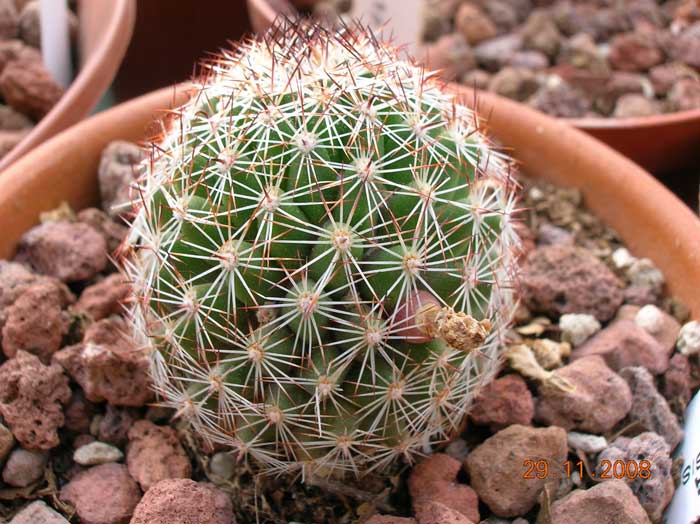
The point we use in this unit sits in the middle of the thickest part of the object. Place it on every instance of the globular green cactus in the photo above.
(323, 256)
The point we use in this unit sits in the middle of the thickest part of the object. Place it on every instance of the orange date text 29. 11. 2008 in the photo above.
(619, 469)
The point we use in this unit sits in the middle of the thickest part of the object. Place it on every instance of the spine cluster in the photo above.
(323, 255)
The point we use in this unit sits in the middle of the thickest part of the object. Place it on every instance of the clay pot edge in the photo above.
(650, 219)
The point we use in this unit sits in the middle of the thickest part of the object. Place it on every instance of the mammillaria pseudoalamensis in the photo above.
(323, 255)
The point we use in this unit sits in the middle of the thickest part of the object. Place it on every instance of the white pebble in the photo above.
(643, 272)
(650, 318)
(622, 258)
(689, 339)
(586, 442)
(97, 453)
(536, 193)
(457, 449)
(39, 513)
(576, 479)
(576, 328)
(222, 465)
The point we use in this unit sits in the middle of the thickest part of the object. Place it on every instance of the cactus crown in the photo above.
(303, 207)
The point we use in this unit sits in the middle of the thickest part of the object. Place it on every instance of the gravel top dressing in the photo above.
(581, 421)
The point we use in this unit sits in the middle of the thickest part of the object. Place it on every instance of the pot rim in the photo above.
(647, 122)
(651, 220)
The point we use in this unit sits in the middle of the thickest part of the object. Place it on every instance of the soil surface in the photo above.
(597, 370)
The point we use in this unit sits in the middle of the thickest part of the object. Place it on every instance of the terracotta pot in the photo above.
(167, 40)
(662, 144)
(651, 220)
(104, 31)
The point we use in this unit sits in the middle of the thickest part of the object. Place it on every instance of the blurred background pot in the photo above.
(649, 218)
(667, 145)
(104, 32)
(662, 144)
(169, 37)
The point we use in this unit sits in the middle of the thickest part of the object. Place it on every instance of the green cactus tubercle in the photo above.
(311, 188)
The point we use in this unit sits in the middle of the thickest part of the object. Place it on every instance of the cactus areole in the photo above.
(322, 255)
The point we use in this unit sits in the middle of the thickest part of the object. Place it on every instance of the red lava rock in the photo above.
(14, 280)
(68, 251)
(435, 480)
(613, 498)
(29, 88)
(116, 172)
(37, 322)
(634, 106)
(685, 48)
(433, 27)
(7, 442)
(438, 467)
(677, 383)
(103, 494)
(600, 23)
(476, 78)
(78, 413)
(503, 15)
(495, 53)
(562, 100)
(115, 426)
(550, 235)
(618, 84)
(589, 84)
(450, 54)
(473, 24)
(649, 409)
(38, 513)
(24, 467)
(389, 519)
(623, 343)
(9, 20)
(532, 60)
(600, 398)
(563, 279)
(11, 50)
(496, 467)
(113, 233)
(31, 400)
(634, 52)
(655, 492)
(581, 52)
(183, 501)
(644, 13)
(30, 24)
(640, 295)
(503, 402)
(663, 77)
(82, 440)
(105, 298)
(540, 33)
(437, 513)
(108, 365)
(518, 84)
(155, 454)
(684, 95)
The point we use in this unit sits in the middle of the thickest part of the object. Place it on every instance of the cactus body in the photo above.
(312, 189)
